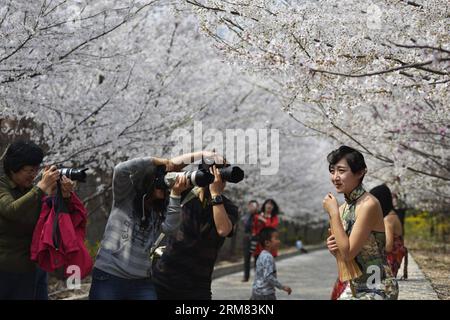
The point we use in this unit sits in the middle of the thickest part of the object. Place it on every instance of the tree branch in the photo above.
(408, 66)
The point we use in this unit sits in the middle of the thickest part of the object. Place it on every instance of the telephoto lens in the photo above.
(74, 174)
(197, 178)
(232, 174)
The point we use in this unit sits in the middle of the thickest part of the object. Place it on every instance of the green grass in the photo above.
(427, 231)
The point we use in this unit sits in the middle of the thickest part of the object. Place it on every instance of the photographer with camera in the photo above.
(20, 206)
(184, 270)
(142, 208)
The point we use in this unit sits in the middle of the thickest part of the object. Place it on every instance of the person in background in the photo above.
(247, 219)
(267, 218)
(395, 246)
(266, 272)
(300, 247)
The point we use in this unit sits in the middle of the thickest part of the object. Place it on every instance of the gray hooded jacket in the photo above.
(125, 245)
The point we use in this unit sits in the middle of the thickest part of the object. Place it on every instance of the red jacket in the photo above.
(72, 230)
(258, 225)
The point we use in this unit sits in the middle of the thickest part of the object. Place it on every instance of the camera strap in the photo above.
(156, 244)
(60, 207)
(191, 195)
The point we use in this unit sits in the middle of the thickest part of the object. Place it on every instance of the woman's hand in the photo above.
(48, 180)
(67, 187)
(217, 187)
(331, 205)
(181, 184)
(332, 245)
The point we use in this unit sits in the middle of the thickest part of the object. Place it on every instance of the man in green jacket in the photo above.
(20, 206)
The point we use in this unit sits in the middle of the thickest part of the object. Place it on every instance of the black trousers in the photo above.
(247, 257)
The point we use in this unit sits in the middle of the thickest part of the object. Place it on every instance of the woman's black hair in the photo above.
(20, 154)
(384, 196)
(266, 235)
(275, 210)
(354, 158)
(145, 187)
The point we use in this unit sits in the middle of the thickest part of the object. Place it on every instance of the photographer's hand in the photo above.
(221, 219)
(67, 186)
(217, 187)
(48, 180)
(181, 184)
(214, 157)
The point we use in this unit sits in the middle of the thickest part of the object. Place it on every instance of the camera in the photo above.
(229, 173)
(73, 174)
(199, 178)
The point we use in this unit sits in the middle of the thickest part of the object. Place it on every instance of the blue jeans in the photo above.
(23, 286)
(105, 286)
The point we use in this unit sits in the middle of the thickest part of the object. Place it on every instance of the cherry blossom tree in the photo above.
(97, 82)
(371, 74)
